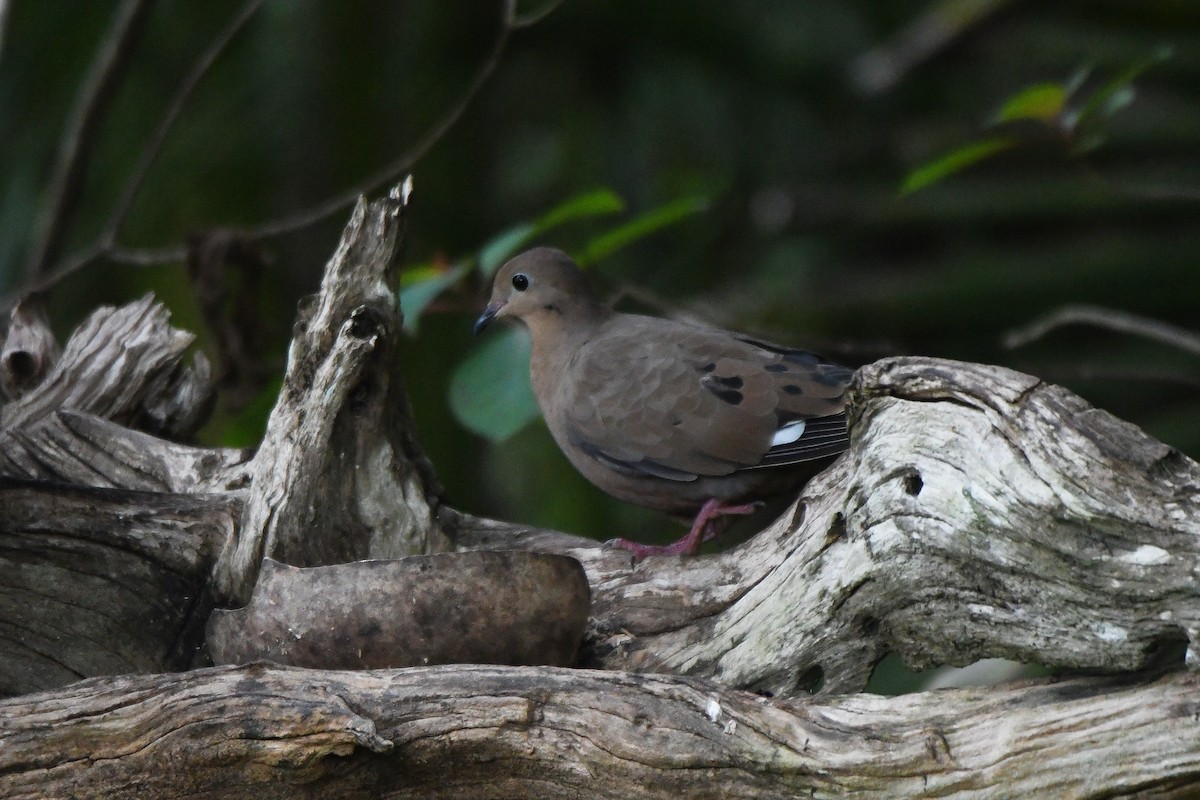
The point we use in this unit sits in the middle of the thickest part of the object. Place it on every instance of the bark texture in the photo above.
(338, 476)
(495, 732)
(979, 512)
(103, 581)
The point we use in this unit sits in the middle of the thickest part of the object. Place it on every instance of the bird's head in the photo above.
(541, 287)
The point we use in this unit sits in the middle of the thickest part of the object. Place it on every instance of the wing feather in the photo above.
(654, 397)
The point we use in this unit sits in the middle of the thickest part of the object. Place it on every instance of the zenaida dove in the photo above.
(675, 417)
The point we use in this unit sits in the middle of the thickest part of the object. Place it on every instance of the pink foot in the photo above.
(703, 530)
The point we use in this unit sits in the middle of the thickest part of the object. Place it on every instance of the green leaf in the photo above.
(419, 287)
(420, 273)
(953, 162)
(497, 251)
(1117, 93)
(1121, 98)
(490, 392)
(1043, 102)
(589, 204)
(640, 227)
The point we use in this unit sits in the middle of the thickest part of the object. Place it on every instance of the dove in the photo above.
(694, 421)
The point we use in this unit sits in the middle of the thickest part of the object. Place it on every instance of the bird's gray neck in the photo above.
(556, 338)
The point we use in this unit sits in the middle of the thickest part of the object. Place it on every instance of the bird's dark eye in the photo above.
(520, 282)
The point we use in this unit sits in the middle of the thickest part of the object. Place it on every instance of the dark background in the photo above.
(770, 109)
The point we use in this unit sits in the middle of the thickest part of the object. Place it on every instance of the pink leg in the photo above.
(704, 529)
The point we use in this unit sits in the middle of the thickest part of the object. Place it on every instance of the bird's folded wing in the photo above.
(655, 398)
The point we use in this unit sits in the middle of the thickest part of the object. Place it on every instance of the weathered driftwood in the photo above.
(123, 365)
(470, 731)
(105, 559)
(103, 581)
(978, 513)
(339, 476)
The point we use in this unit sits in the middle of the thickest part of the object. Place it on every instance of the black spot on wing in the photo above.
(731, 396)
(823, 370)
(725, 388)
(793, 389)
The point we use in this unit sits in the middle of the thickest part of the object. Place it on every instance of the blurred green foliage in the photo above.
(1074, 117)
(798, 122)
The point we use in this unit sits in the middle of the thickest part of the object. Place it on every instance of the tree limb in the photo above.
(483, 732)
(1109, 319)
(101, 581)
(979, 513)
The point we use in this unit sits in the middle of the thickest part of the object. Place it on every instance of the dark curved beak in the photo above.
(486, 317)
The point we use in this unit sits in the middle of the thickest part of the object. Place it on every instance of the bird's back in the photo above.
(648, 408)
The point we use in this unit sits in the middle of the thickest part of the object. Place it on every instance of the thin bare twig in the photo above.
(105, 245)
(5, 7)
(147, 256)
(533, 17)
(1110, 319)
(75, 149)
(405, 162)
(152, 149)
(878, 70)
